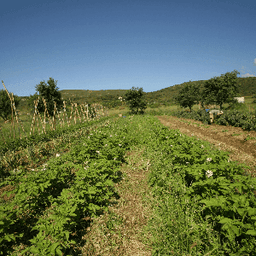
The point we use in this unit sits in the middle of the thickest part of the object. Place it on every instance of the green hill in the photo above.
(109, 98)
(247, 86)
(165, 96)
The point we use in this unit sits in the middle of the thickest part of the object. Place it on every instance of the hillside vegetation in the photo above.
(109, 98)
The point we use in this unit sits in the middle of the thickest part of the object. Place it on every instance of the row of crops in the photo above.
(234, 118)
(206, 203)
(48, 208)
(203, 202)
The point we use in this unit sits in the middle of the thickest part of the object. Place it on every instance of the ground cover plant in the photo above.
(35, 150)
(199, 115)
(204, 200)
(202, 203)
(47, 207)
(237, 118)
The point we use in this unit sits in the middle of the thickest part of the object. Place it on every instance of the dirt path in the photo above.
(118, 232)
(241, 144)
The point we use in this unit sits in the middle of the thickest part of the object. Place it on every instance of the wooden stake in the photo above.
(71, 114)
(65, 112)
(49, 118)
(34, 116)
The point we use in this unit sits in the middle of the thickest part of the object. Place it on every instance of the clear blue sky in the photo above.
(118, 44)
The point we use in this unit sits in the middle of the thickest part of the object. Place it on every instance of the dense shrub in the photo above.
(237, 119)
(199, 115)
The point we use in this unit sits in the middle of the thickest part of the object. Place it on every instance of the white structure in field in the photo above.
(239, 99)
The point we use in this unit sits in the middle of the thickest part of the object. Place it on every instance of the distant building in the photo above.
(239, 99)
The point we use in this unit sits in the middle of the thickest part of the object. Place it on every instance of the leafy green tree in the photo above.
(5, 104)
(50, 93)
(222, 89)
(188, 96)
(135, 100)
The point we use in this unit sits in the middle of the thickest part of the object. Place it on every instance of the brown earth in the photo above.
(240, 144)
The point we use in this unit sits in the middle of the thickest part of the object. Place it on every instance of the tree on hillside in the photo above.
(50, 93)
(222, 89)
(5, 104)
(188, 96)
(135, 100)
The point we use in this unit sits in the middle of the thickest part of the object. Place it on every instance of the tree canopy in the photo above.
(188, 96)
(222, 89)
(48, 91)
(5, 104)
(135, 100)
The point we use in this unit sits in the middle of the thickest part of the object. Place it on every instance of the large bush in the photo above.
(48, 91)
(237, 118)
(199, 115)
(5, 104)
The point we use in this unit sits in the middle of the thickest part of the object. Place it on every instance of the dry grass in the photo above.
(119, 231)
(120, 110)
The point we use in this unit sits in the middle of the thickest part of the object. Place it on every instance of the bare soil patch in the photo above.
(240, 144)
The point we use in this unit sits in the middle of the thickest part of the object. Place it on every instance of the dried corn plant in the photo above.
(71, 113)
(53, 117)
(46, 112)
(81, 113)
(75, 104)
(17, 117)
(65, 113)
(34, 117)
(87, 112)
(58, 114)
(42, 122)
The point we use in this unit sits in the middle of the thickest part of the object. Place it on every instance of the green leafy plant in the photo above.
(199, 115)
(53, 201)
(190, 177)
(238, 119)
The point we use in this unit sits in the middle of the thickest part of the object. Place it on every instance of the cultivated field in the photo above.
(130, 186)
(239, 143)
